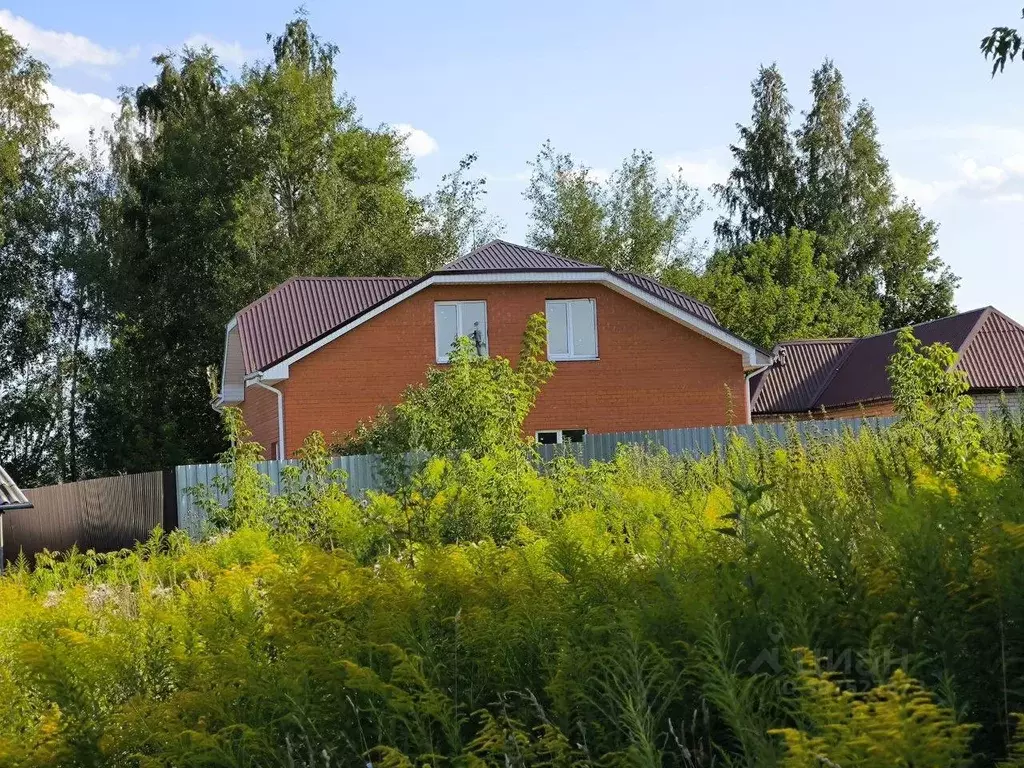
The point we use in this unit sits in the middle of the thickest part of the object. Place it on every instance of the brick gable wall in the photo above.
(652, 374)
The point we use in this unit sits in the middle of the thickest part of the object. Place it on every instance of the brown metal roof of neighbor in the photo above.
(500, 256)
(994, 355)
(302, 309)
(863, 376)
(801, 369)
(990, 347)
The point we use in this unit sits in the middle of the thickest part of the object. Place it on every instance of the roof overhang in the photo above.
(11, 496)
(753, 357)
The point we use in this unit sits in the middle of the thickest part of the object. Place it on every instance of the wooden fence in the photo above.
(106, 514)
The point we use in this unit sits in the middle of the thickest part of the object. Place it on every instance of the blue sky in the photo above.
(600, 79)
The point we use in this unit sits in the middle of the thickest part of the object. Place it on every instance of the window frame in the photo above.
(559, 435)
(458, 304)
(570, 355)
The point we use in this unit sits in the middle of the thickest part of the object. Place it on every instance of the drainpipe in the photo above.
(257, 379)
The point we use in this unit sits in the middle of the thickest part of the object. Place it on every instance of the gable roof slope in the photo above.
(864, 377)
(302, 309)
(800, 371)
(990, 348)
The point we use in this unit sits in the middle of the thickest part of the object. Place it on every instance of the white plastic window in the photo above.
(572, 329)
(453, 319)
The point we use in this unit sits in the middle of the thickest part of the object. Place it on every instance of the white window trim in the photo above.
(561, 358)
(458, 325)
(558, 433)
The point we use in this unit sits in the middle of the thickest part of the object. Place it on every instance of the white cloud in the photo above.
(417, 141)
(983, 163)
(700, 173)
(233, 53)
(59, 49)
(75, 113)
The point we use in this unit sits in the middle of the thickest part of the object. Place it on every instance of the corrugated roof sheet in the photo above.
(500, 256)
(303, 309)
(990, 345)
(994, 355)
(11, 496)
(801, 369)
(863, 376)
(672, 296)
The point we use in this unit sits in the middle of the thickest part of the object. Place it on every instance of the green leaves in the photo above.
(875, 256)
(633, 221)
(1003, 44)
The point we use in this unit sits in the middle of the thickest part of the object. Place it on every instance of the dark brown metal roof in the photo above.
(670, 295)
(863, 376)
(500, 256)
(801, 369)
(303, 309)
(994, 356)
(990, 347)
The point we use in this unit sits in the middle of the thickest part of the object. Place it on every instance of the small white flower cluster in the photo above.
(99, 596)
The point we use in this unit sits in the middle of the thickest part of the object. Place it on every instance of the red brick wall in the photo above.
(653, 372)
(260, 413)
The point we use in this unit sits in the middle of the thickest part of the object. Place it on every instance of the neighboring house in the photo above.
(841, 378)
(632, 354)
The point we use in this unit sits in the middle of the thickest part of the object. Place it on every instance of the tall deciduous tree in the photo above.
(46, 317)
(636, 220)
(777, 289)
(223, 188)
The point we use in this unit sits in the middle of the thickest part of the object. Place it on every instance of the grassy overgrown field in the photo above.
(858, 603)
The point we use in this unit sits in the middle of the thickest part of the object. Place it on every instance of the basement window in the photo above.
(559, 436)
(572, 329)
(453, 319)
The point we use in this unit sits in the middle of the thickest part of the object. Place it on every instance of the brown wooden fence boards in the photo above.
(106, 514)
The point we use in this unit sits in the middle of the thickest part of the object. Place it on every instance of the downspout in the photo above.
(257, 379)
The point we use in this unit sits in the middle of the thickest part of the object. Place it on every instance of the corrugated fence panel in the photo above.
(196, 481)
(105, 515)
(363, 471)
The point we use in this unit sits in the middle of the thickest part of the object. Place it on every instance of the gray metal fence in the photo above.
(364, 471)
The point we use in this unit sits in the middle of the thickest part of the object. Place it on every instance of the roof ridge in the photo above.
(926, 322)
(347, 277)
(843, 359)
(499, 241)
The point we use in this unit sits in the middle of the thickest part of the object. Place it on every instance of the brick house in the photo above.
(631, 354)
(843, 378)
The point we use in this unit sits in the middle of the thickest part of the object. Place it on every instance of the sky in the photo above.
(600, 79)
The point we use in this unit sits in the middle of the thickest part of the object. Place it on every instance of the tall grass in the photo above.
(641, 612)
(858, 602)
